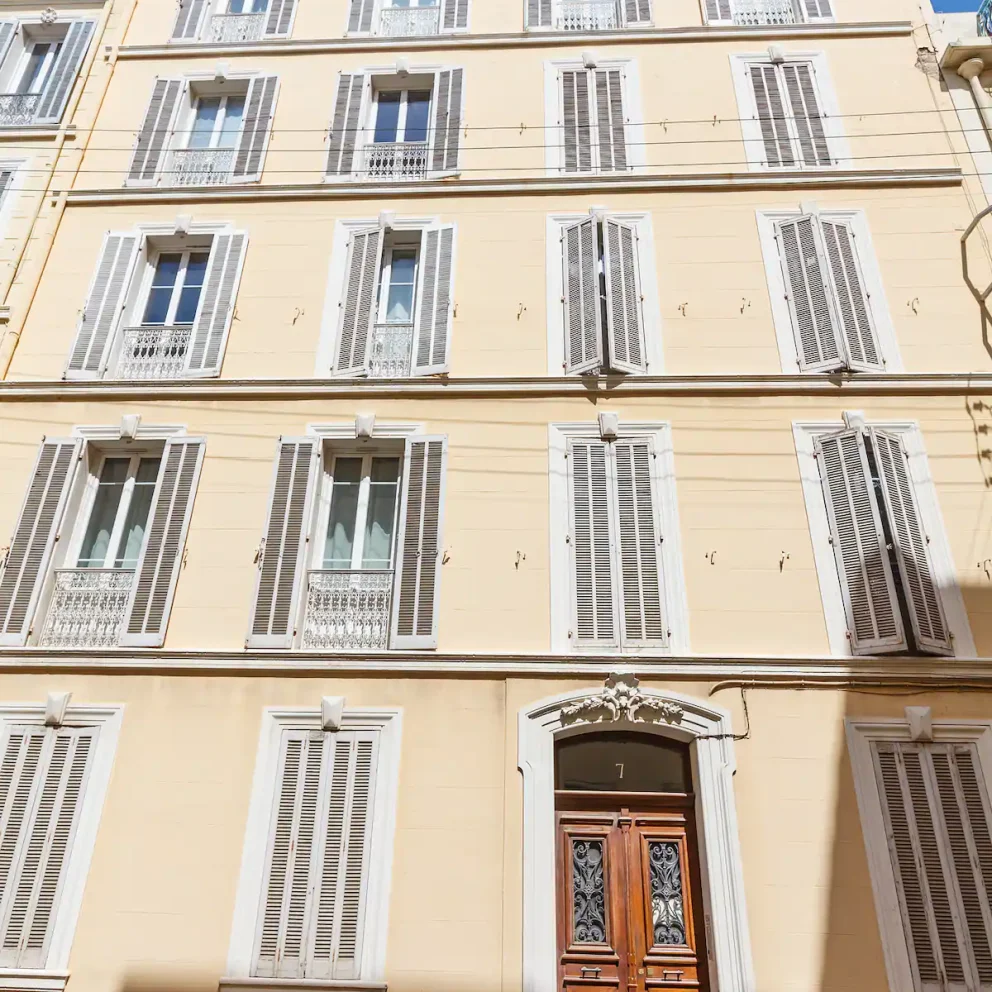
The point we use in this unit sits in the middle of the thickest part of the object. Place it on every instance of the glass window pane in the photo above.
(163, 281)
(622, 762)
(231, 127)
(96, 540)
(402, 279)
(418, 105)
(136, 522)
(31, 79)
(196, 268)
(340, 540)
(383, 491)
(387, 117)
(189, 296)
(204, 122)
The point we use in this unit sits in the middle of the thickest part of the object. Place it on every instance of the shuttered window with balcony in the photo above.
(236, 22)
(755, 13)
(592, 120)
(587, 15)
(407, 18)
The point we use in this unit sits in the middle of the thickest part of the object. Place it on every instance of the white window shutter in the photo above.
(157, 571)
(216, 311)
(800, 84)
(360, 13)
(7, 31)
(153, 138)
(583, 312)
(818, 10)
(911, 545)
(62, 78)
(576, 120)
(104, 306)
(719, 12)
(610, 136)
(416, 586)
(344, 124)
(287, 527)
(539, 13)
(637, 12)
(358, 302)
(432, 340)
(873, 618)
(187, 27)
(447, 120)
(769, 104)
(253, 141)
(624, 324)
(34, 537)
(280, 18)
(455, 15)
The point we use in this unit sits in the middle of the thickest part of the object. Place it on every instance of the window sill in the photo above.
(292, 984)
(27, 980)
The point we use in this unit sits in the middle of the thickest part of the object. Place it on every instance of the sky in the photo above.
(948, 6)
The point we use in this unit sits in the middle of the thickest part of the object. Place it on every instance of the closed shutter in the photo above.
(286, 536)
(344, 124)
(637, 11)
(911, 546)
(818, 10)
(581, 299)
(417, 582)
(719, 12)
(576, 120)
(34, 537)
(770, 109)
(805, 111)
(257, 127)
(154, 134)
(873, 618)
(434, 294)
(624, 329)
(280, 18)
(60, 80)
(360, 16)
(538, 13)
(157, 571)
(187, 27)
(213, 319)
(455, 15)
(104, 306)
(447, 120)
(358, 301)
(610, 120)
(6, 175)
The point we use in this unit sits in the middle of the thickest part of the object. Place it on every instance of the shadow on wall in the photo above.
(176, 979)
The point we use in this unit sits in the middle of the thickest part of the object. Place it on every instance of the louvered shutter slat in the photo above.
(455, 15)
(576, 120)
(770, 108)
(22, 750)
(7, 30)
(280, 18)
(216, 310)
(637, 12)
(624, 332)
(434, 295)
(358, 303)
(187, 25)
(538, 13)
(719, 11)
(360, 16)
(255, 130)
(344, 124)
(582, 310)
(62, 77)
(817, 10)
(447, 120)
(610, 120)
(801, 88)
(154, 134)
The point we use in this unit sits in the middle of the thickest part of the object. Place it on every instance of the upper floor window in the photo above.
(407, 18)
(767, 12)
(587, 15)
(233, 21)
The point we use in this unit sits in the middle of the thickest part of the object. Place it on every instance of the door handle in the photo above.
(590, 970)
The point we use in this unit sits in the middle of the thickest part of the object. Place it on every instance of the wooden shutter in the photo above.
(851, 299)
(873, 618)
(38, 873)
(157, 571)
(538, 13)
(911, 545)
(581, 296)
(187, 27)
(358, 302)
(220, 289)
(280, 18)
(254, 138)
(455, 15)
(7, 30)
(360, 13)
(817, 10)
(808, 290)
(624, 328)
(34, 537)
(344, 124)
(447, 120)
(637, 12)
(287, 526)
(576, 120)
(770, 110)
(155, 130)
(805, 111)
(719, 12)
(417, 582)
(434, 293)
(104, 306)
(610, 120)
(63, 75)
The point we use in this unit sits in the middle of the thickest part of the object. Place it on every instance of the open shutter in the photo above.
(7, 30)
(851, 298)
(63, 75)
(817, 10)
(220, 290)
(873, 618)
(257, 127)
(910, 543)
(581, 299)
(637, 12)
(358, 301)
(418, 544)
(157, 571)
(718, 12)
(575, 120)
(624, 329)
(187, 27)
(280, 18)
(360, 14)
(807, 289)
(433, 336)
(770, 109)
(455, 15)
(104, 306)
(610, 120)
(805, 109)
(538, 14)
(447, 120)
(154, 134)
(34, 537)
(281, 565)
(344, 124)
(340, 887)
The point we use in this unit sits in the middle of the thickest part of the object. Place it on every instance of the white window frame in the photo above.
(196, 98)
(785, 334)
(404, 92)
(385, 281)
(944, 573)
(388, 723)
(47, 63)
(647, 269)
(666, 518)
(381, 5)
(144, 290)
(747, 111)
(29, 31)
(860, 735)
(554, 151)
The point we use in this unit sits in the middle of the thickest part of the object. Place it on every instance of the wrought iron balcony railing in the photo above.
(396, 160)
(410, 22)
(984, 18)
(348, 611)
(754, 12)
(236, 27)
(153, 352)
(88, 608)
(201, 166)
(391, 351)
(588, 15)
(18, 109)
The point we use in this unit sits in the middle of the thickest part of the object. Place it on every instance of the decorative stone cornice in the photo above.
(621, 699)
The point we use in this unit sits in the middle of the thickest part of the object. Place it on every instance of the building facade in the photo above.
(498, 498)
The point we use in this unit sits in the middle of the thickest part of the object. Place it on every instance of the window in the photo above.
(246, 6)
(407, 18)
(233, 21)
(217, 122)
(747, 13)
(176, 285)
(592, 120)
(587, 15)
(38, 66)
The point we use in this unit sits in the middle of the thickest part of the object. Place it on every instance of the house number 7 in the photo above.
(620, 766)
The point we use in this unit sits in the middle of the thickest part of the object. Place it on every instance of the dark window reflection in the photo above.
(622, 762)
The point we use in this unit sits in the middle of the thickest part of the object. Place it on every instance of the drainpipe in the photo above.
(971, 70)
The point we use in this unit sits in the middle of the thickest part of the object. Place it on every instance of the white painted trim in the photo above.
(20, 167)
(647, 269)
(944, 572)
(228, 984)
(707, 728)
(112, 432)
(972, 127)
(784, 333)
(345, 431)
(23, 980)
(388, 723)
(666, 511)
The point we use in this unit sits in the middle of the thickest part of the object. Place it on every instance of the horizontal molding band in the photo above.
(529, 39)
(717, 182)
(602, 387)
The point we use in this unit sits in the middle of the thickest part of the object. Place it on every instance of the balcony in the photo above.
(348, 611)
(18, 109)
(396, 160)
(154, 352)
(751, 13)
(391, 351)
(88, 608)
(201, 166)
(235, 28)
(588, 15)
(984, 17)
(410, 22)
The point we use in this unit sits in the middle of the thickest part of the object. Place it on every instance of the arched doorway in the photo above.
(628, 885)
